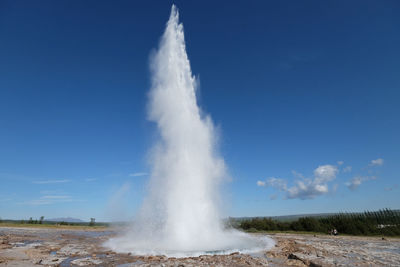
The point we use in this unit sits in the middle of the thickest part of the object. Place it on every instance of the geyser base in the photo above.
(227, 243)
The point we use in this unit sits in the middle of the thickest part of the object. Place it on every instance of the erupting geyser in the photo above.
(179, 216)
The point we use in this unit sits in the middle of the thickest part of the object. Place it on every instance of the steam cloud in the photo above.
(180, 215)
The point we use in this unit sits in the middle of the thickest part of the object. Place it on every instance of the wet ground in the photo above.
(326, 250)
(60, 247)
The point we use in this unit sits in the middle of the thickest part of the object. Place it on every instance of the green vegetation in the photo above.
(383, 222)
(42, 223)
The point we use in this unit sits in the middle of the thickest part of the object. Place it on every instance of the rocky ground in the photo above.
(325, 250)
(59, 247)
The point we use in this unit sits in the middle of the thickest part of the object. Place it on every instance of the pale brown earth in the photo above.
(65, 247)
(326, 250)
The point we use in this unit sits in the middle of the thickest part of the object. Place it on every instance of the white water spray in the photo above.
(180, 215)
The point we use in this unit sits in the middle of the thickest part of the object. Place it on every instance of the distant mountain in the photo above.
(67, 219)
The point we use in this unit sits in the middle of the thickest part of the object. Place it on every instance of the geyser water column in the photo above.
(185, 170)
(179, 216)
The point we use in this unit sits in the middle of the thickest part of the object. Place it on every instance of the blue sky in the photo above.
(305, 96)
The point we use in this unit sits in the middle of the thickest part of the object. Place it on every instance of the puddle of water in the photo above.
(67, 262)
(26, 243)
(17, 244)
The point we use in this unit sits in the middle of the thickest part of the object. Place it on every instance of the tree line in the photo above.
(383, 222)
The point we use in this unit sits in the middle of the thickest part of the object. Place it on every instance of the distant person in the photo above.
(335, 232)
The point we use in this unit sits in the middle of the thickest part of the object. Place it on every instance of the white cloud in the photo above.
(347, 169)
(355, 182)
(260, 183)
(297, 174)
(137, 174)
(51, 181)
(278, 183)
(376, 162)
(274, 182)
(325, 173)
(340, 162)
(305, 188)
(90, 179)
